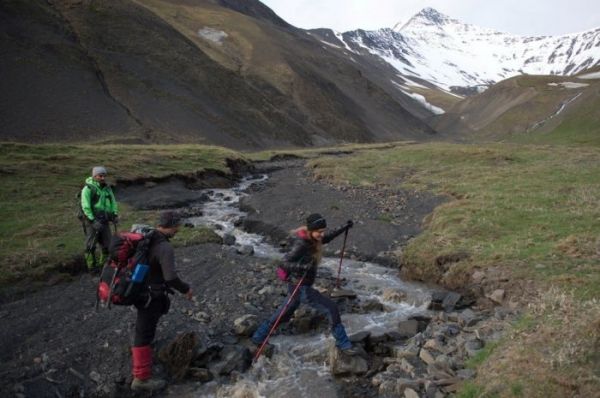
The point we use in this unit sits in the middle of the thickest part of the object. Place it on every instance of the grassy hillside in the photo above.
(39, 231)
(529, 109)
(226, 73)
(530, 215)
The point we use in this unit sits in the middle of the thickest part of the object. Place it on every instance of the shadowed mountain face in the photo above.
(223, 72)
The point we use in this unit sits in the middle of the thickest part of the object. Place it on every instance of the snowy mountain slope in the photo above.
(454, 55)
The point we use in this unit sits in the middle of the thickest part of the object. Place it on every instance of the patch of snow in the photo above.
(569, 84)
(594, 75)
(214, 35)
(341, 38)
(413, 83)
(329, 44)
(560, 109)
(453, 94)
(421, 99)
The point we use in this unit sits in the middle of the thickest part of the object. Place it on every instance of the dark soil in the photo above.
(385, 219)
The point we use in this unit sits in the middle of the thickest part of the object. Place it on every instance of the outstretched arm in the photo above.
(334, 233)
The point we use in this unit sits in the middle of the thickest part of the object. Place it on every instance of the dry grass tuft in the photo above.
(555, 353)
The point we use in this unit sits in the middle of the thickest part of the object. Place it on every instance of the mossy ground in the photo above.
(39, 231)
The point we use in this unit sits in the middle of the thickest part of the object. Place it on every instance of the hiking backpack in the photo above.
(80, 214)
(124, 277)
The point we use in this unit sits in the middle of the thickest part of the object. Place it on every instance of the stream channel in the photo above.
(298, 367)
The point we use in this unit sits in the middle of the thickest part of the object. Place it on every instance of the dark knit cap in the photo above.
(169, 219)
(315, 221)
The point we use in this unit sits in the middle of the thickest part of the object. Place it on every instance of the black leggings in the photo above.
(147, 319)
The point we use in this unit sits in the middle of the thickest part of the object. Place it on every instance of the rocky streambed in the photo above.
(416, 339)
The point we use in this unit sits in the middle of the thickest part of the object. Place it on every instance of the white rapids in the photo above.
(298, 368)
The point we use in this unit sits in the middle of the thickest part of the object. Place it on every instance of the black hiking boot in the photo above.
(352, 351)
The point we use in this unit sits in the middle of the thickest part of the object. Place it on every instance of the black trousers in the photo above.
(147, 319)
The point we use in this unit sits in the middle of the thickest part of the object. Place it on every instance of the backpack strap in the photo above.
(94, 192)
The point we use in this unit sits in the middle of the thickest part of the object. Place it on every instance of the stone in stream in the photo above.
(371, 305)
(245, 325)
(200, 374)
(346, 293)
(229, 239)
(245, 250)
(359, 337)
(393, 295)
(232, 357)
(342, 364)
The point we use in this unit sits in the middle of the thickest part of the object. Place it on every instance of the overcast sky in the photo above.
(522, 17)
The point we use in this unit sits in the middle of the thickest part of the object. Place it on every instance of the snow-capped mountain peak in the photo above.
(437, 48)
(430, 16)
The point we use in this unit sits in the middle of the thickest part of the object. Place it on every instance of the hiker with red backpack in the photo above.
(98, 208)
(300, 270)
(160, 279)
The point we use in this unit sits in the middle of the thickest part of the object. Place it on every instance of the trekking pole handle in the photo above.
(264, 343)
(337, 284)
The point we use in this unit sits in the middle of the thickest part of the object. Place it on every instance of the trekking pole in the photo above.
(337, 284)
(264, 343)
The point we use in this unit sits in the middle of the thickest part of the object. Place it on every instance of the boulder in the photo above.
(371, 305)
(408, 328)
(245, 325)
(450, 301)
(403, 384)
(266, 290)
(405, 351)
(359, 337)
(200, 374)
(393, 295)
(472, 347)
(426, 357)
(410, 393)
(467, 318)
(497, 296)
(229, 239)
(478, 276)
(178, 355)
(245, 250)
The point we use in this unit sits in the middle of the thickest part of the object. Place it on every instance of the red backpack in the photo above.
(124, 278)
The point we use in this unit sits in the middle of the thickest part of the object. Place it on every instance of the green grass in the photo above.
(38, 185)
(530, 211)
(579, 127)
(512, 206)
(470, 390)
(482, 355)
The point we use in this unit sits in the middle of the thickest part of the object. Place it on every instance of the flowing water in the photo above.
(298, 367)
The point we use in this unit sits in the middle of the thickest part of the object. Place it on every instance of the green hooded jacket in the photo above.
(105, 205)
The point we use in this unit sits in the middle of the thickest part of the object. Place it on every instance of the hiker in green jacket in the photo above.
(99, 208)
